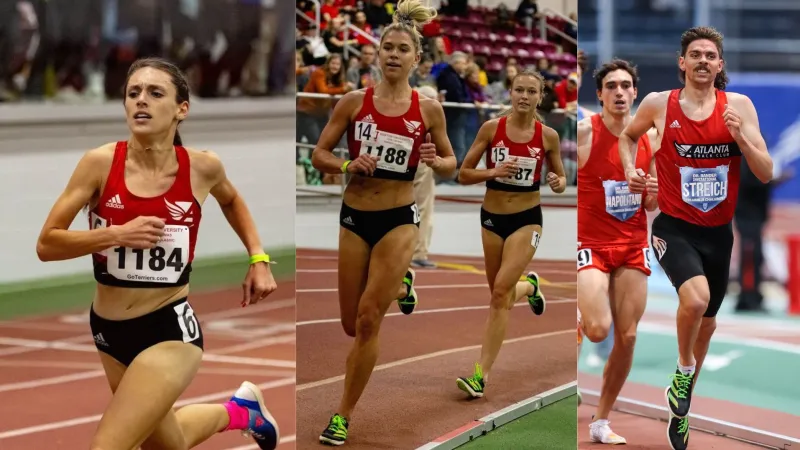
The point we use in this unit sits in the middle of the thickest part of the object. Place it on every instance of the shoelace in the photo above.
(337, 423)
(682, 382)
(683, 426)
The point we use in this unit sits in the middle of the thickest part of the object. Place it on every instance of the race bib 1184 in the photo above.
(620, 201)
(704, 189)
(163, 263)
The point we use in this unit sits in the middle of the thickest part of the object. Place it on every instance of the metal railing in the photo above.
(308, 19)
(558, 113)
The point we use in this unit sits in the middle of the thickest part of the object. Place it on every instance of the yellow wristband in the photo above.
(261, 257)
(344, 166)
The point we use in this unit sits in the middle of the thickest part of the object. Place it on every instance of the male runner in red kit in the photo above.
(704, 132)
(613, 255)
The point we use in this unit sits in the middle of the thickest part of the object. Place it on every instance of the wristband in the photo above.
(344, 166)
(261, 257)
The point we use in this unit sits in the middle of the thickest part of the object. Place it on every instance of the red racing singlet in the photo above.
(394, 140)
(609, 214)
(698, 166)
(529, 156)
(169, 262)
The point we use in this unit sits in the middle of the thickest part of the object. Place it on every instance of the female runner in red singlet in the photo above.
(515, 145)
(388, 128)
(145, 196)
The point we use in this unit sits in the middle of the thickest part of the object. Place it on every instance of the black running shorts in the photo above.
(372, 226)
(685, 250)
(504, 225)
(123, 340)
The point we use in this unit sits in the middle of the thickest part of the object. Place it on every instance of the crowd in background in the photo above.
(332, 58)
(80, 50)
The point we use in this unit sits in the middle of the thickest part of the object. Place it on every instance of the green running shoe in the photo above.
(409, 302)
(473, 385)
(536, 300)
(336, 433)
(679, 393)
(678, 432)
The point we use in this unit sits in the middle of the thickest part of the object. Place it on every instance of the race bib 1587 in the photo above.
(163, 263)
(621, 202)
(704, 189)
(526, 171)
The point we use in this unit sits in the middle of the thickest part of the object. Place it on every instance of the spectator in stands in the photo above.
(360, 22)
(312, 113)
(567, 92)
(313, 47)
(475, 94)
(482, 76)
(334, 36)
(504, 20)
(500, 91)
(302, 72)
(450, 83)
(527, 11)
(328, 12)
(366, 74)
(422, 76)
(377, 15)
(425, 196)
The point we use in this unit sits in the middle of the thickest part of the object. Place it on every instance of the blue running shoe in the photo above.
(262, 426)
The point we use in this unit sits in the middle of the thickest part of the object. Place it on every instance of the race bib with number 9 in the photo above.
(393, 151)
(163, 263)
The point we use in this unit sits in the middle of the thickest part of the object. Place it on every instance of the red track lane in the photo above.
(227, 328)
(415, 402)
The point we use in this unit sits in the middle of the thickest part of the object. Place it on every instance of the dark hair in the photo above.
(176, 76)
(615, 64)
(583, 61)
(708, 33)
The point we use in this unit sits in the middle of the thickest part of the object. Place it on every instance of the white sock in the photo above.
(686, 370)
(600, 423)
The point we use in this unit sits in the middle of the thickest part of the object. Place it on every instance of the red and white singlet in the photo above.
(529, 158)
(698, 166)
(395, 140)
(612, 222)
(169, 262)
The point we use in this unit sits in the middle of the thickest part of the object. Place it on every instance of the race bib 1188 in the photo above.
(392, 150)
(704, 189)
(163, 263)
(620, 201)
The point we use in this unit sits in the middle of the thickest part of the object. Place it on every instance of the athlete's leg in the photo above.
(352, 267)
(693, 296)
(628, 299)
(388, 263)
(517, 253)
(144, 395)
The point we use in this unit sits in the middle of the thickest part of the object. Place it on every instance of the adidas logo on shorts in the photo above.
(348, 220)
(100, 340)
(488, 223)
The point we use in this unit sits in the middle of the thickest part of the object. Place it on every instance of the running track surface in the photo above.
(53, 398)
(412, 396)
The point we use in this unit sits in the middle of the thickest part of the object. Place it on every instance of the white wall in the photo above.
(37, 161)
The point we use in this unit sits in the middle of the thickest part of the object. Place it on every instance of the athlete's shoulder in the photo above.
(549, 132)
(205, 162)
(739, 100)
(100, 157)
(585, 124)
(656, 98)
(490, 126)
(352, 99)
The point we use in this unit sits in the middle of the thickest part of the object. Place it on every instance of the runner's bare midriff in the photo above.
(502, 202)
(121, 303)
(373, 194)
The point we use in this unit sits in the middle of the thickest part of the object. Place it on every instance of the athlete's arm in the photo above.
(445, 164)
(552, 144)
(650, 200)
(468, 174)
(57, 242)
(230, 202)
(322, 158)
(643, 120)
(742, 122)
(259, 281)
(584, 141)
